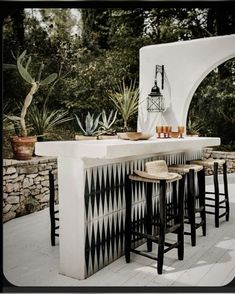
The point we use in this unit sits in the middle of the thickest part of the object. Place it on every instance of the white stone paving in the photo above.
(29, 259)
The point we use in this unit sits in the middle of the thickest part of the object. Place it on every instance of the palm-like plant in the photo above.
(126, 99)
(91, 124)
(107, 122)
(44, 121)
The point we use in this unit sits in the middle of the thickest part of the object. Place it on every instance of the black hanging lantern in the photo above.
(155, 100)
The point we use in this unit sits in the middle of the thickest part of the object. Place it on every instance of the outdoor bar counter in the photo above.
(91, 176)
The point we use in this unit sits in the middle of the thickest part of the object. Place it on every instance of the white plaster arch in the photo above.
(197, 83)
(186, 65)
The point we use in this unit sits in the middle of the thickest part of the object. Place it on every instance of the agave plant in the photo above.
(126, 99)
(91, 125)
(107, 122)
(193, 128)
(23, 66)
(44, 121)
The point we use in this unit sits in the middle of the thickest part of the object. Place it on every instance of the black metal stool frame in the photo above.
(217, 194)
(191, 204)
(159, 238)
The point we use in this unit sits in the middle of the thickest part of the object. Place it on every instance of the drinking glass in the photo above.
(181, 131)
(159, 131)
(165, 131)
(169, 131)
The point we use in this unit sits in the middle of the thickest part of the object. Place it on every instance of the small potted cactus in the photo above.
(23, 145)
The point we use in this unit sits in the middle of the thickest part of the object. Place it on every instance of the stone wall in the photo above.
(26, 185)
(228, 156)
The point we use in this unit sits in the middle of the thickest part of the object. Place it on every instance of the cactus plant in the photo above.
(91, 124)
(35, 84)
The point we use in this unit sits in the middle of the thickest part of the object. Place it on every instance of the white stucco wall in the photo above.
(187, 63)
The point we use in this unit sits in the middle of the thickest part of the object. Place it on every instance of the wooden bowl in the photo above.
(174, 134)
(122, 136)
(134, 136)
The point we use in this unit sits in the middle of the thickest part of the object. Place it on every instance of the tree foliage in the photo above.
(92, 50)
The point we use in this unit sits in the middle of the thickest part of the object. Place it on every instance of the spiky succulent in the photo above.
(107, 122)
(91, 124)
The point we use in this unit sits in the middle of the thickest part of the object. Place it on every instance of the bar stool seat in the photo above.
(191, 198)
(217, 203)
(168, 177)
(184, 168)
(208, 162)
(156, 173)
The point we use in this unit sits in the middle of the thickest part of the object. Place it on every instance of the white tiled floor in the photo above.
(29, 260)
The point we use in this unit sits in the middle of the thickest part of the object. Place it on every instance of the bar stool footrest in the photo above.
(210, 212)
(171, 246)
(199, 224)
(139, 252)
(223, 214)
(173, 228)
(212, 193)
(144, 235)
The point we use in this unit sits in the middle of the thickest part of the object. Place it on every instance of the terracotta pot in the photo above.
(23, 147)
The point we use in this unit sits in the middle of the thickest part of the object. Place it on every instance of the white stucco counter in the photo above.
(91, 177)
(116, 148)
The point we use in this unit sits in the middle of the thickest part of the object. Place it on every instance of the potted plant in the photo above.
(106, 126)
(90, 130)
(23, 145)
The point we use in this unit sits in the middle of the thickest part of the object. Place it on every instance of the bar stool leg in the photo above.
(174, 192)
(52, 207)
(191, 205)
(216, 186)
(180, 233)
(226, 190)
(128, 195)
(149, 205)
(161, 242)
(202, 195)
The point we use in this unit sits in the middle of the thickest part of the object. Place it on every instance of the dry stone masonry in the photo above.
(26, 185)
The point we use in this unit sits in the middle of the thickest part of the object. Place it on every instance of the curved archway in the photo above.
(186, 63)
(199, 81)
(211, 109)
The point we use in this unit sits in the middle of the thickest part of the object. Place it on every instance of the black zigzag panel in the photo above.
(105, 209)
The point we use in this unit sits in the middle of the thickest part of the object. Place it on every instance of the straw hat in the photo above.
(157, 170)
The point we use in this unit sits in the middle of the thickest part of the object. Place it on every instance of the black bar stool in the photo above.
(192, 197)
(52, 210)
(158, 236)
(214, 164)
